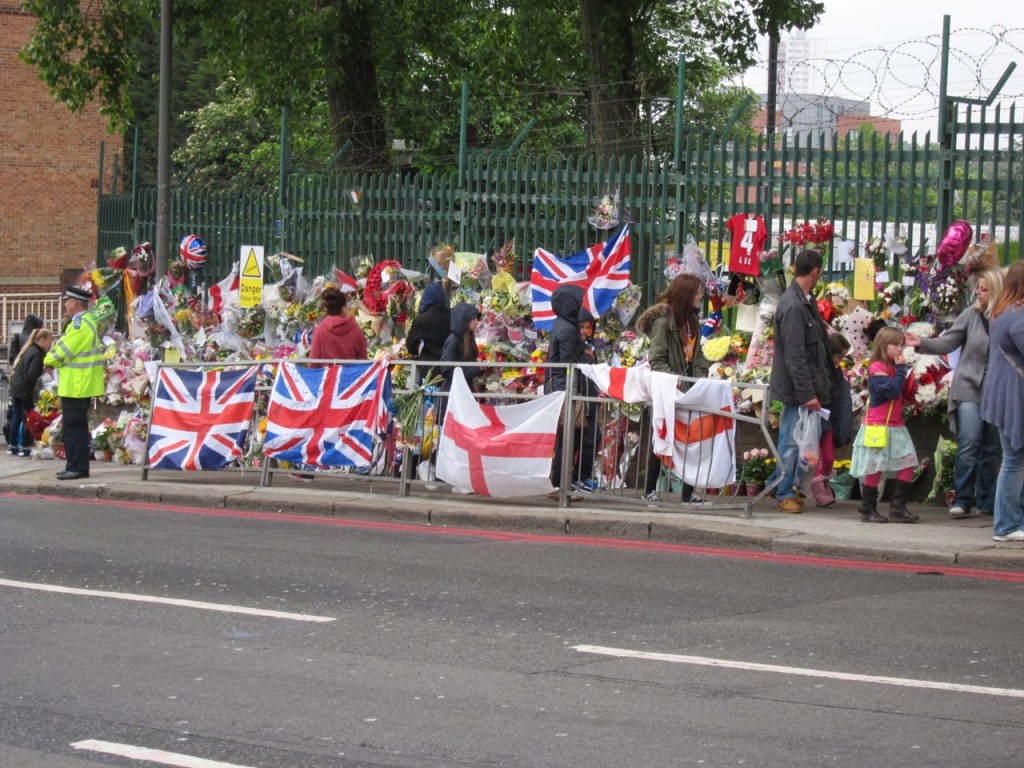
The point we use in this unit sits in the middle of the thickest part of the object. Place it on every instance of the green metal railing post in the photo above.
(99, 204)
(463, 127)
(282, 179)
(946, 142)
(135, 188)
(677, 159)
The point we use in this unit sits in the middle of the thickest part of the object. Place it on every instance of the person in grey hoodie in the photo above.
(978, 452)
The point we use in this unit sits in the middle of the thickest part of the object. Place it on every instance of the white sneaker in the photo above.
(652, 500)
(958, 512)
(1017, 535)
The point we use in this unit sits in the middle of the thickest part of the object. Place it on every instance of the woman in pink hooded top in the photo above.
(338, 336)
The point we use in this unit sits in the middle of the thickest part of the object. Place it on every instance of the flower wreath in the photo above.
(375, 294)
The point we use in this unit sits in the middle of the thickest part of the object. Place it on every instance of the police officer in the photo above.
(77, 356)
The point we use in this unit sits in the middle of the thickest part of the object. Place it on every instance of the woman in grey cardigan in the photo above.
(977, 442)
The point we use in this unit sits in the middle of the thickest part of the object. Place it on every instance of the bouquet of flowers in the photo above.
(505, 257)
(47, 403)
(817, 234)
(945, 459)
(118, 258)
(627, 303)
(717, 349)
(250, 324)
(606, 213)
(631, 348)
(881, 249)
(838, 294)
(875, 250)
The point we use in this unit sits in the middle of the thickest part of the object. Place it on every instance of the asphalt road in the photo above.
(388, 645)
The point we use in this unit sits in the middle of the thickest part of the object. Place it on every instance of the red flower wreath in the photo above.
(375, 296)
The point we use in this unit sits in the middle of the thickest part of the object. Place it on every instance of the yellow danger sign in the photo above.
(250, 282)
(253, 266)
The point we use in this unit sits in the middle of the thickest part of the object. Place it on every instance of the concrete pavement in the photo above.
(832, 532)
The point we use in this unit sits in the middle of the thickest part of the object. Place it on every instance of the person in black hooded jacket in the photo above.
(19, 340)
(430, 328)
(460, 346)
(566, 345)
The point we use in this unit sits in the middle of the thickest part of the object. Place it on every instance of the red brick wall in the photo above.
(851, 122)
(49, 171)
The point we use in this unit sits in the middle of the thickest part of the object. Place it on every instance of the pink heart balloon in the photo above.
(954, 243)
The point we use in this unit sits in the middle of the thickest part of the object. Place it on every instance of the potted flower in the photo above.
(757, 466)
(105, 438)
(53, 436)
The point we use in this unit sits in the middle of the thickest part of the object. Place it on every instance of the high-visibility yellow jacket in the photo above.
(78, 357)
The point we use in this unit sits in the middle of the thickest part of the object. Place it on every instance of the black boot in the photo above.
(869, 505)
(898, 503)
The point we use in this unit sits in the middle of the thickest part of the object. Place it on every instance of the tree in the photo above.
(393, 68)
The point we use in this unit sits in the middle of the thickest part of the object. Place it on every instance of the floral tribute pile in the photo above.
(182, 318)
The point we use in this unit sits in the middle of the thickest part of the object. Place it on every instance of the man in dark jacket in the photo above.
(801, 368)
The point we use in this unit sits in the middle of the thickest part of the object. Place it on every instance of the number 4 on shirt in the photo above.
(748, 238)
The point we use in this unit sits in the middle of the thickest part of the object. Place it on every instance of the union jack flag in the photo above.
(200, 418)
(602, 271)
(327, 417)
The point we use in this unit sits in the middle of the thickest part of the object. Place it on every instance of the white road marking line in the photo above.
(705, 661)
(223, 607)
(151, 755)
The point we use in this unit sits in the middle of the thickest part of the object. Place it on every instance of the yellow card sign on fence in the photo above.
(864, 279)
(250, 279)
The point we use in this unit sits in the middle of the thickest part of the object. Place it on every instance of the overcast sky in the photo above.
(901, 80)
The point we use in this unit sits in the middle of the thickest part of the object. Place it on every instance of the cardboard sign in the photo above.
(863, 279)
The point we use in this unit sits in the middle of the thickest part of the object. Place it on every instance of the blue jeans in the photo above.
(20, 436)
(1010, 491)
(788, 453)
(977, 460)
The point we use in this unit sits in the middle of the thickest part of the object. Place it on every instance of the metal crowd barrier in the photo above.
(619, 451)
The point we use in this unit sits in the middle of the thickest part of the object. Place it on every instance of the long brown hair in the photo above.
(885, 336)
(1012, 293)
(680, 295)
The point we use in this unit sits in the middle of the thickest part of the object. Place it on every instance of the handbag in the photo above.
(877, 435)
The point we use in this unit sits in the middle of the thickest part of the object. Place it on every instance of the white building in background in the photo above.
(800, 63)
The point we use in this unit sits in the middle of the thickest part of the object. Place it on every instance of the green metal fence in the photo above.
(890, 184)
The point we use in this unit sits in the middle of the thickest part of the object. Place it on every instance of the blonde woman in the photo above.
(978, 453)
(28, 367)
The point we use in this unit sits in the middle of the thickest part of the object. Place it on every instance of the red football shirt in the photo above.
(748, 238)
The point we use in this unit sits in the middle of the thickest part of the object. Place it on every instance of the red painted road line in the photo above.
(538, 538)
